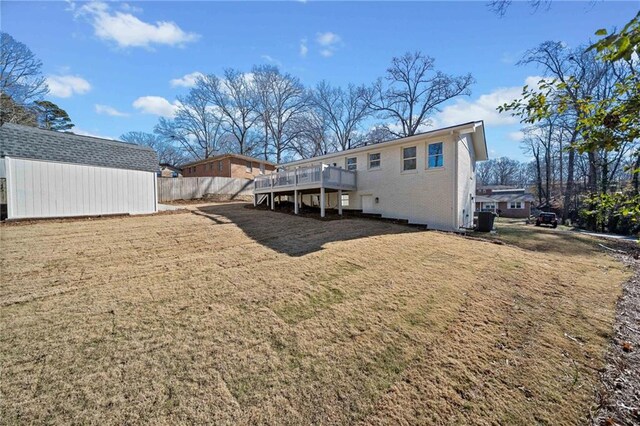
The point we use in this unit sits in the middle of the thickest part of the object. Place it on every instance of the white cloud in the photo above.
(326, 52)
(271, 59)
(303, 47)
(129, 8)
(65, 86)
(126, 30)
(108, 110)
(329, 42)
(516, 136)
(484, 107)
(187, 80)
(327, 39)
(156, 105)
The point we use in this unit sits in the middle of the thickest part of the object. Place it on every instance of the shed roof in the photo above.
(48, 145)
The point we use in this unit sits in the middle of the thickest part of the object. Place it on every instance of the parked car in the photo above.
(547, 219)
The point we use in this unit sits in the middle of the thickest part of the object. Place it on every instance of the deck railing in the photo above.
(312, 176)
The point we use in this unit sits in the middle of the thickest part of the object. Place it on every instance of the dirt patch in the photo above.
(619, 396)
(22, 222)
(237, 316)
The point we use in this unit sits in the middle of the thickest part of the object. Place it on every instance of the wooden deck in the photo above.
(313, 179)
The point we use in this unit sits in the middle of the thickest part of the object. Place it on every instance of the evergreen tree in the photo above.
(52, 117)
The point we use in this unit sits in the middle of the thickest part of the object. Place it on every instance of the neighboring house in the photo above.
(512, 202)
(168, 171)
(228, 165)
(55, 174)
(427, 178)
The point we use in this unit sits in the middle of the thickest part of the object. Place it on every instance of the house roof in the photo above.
(505, 197)
(48, 145)
(221, 156)
(475, 128)
(169, 166)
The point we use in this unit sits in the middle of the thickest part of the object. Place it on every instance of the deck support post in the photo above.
(295, 201)
(273, 202)
(340, 202)
(255, 199)
(322, 201)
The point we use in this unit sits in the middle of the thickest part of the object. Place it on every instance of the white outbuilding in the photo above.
(45, 174)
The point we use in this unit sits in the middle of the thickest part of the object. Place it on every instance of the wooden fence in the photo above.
(189, 188)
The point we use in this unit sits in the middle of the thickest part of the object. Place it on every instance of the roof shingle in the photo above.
(39, 144)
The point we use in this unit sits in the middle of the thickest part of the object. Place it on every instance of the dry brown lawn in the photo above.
(234, 316)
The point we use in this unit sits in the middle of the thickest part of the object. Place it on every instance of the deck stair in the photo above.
(261, 198)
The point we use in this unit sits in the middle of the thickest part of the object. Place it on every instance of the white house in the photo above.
(53, 174)
(426, 179)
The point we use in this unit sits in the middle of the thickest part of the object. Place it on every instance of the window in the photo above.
(174, 174)
(345, 200)
(249, 167)
(488, 207)
(352, 163)
(409, 158)
(374, 161)
(515, 205)
(261, 168)
(219, 166)
(436, 158)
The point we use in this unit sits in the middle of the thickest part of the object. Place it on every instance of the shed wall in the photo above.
(40, 189)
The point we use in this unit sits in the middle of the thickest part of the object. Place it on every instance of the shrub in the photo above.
(618, 213)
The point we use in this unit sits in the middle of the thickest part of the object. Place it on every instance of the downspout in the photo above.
(456, 137)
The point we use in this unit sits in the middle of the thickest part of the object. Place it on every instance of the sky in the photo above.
(118, 66)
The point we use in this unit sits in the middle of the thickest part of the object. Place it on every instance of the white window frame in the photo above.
(261, 168)
(512, 203)
(354, 164)
(429, 155)
(404, 159)
(379, 160)
(345, 200)
(485, 205)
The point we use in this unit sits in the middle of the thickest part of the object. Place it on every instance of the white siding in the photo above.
(49, 189)
(466, 182)
(422, 196)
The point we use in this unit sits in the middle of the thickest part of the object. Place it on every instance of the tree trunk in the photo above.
(568, 190)
(539, 178)
(605, 176)
(636, 175)
(592, 178)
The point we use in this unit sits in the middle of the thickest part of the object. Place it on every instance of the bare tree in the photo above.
(501, 6)
(283, 100)
(197, 126)
(11, 112)
(345, 110)
(377, 134)
(168, 152)
(505, 171)
(484, 172)
(576, 76)
(312, 140)
(21, 80)
(414, 91)
(234, 95)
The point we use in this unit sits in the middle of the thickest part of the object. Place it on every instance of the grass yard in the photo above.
(237, 316)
